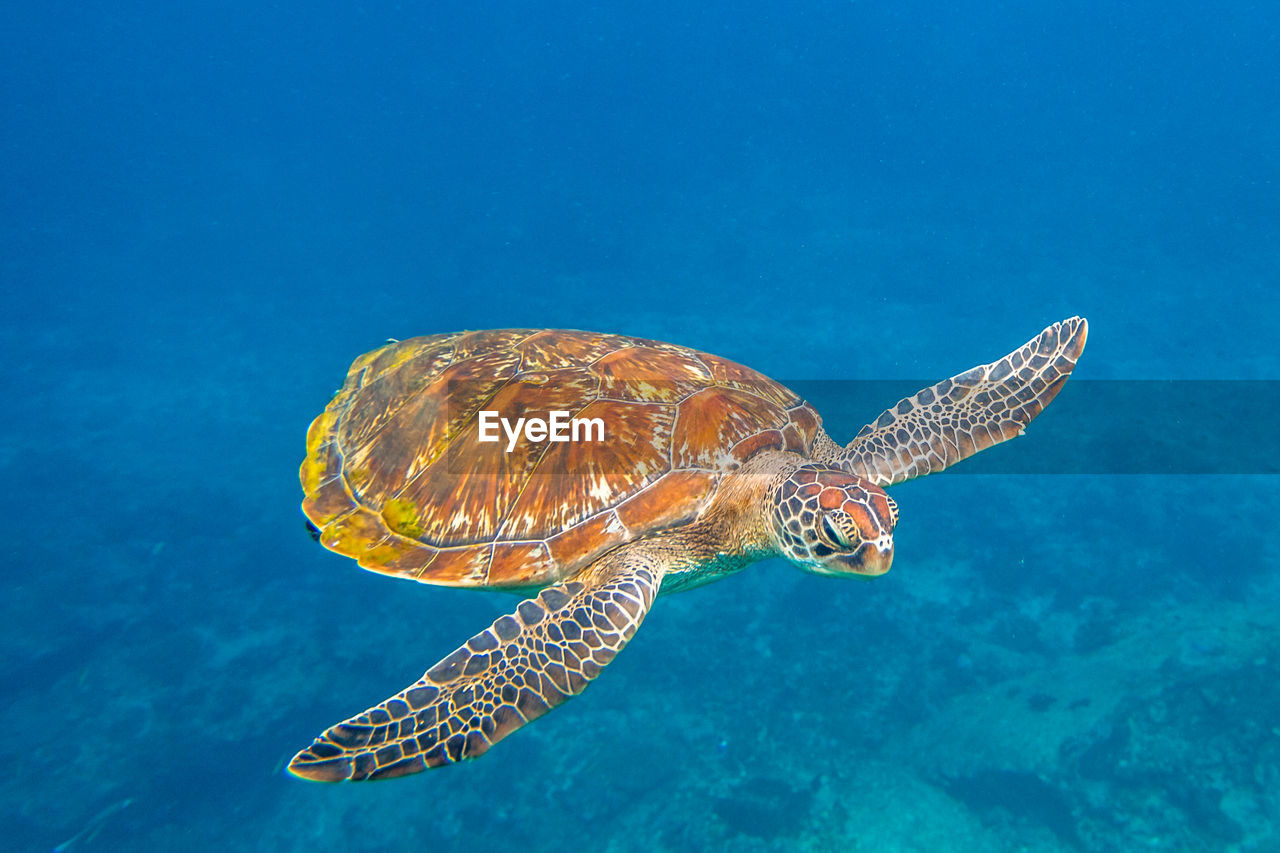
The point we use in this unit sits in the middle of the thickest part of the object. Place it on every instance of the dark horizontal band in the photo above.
(1174, 427)
(1183, 426)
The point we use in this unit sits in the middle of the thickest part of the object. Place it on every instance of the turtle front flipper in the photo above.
(960, 416)
(522, 666)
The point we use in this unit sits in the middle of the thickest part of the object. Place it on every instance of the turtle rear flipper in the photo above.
(943, 424)
(522, 666)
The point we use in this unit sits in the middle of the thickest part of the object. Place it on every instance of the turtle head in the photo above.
(833, 523)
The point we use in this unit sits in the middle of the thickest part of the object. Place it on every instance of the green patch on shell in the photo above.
(402, 517)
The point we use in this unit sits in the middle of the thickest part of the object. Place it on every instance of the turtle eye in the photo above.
(834, 534)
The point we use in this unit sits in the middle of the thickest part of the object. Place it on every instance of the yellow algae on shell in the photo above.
(403, 517)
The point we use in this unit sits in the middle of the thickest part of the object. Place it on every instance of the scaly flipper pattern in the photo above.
(960, 416)
(522, 666)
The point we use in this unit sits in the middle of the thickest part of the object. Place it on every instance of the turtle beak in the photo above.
(873, 558)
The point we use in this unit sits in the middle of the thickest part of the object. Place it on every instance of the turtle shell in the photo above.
(397, 477)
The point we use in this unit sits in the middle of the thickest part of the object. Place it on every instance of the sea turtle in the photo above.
(704, 467)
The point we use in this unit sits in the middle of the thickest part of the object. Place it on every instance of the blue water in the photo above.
(209, 211)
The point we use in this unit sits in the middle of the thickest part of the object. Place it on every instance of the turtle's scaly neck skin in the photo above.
(822, 519)
(732, 533)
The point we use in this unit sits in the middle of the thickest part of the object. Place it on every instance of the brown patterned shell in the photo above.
(396, 477)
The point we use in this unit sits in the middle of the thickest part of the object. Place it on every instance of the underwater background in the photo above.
(210, 209)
